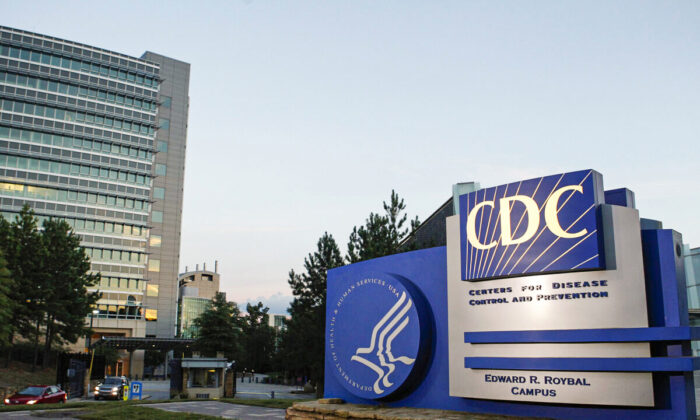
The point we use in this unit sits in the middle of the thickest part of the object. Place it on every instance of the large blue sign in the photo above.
(377, 337)
(541, 225)
(566, 290)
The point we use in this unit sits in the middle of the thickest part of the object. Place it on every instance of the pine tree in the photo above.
(303, 339)
(67, 300)
(6, 304)
(25, 255)
(258, 338)
(219, 329)
(382, 234)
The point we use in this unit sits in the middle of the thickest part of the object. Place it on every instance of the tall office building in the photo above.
(168, 182)
(97, 138)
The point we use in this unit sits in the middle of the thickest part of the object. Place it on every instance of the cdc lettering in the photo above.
(533, 219)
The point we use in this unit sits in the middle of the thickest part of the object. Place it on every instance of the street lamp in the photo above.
(92, 318)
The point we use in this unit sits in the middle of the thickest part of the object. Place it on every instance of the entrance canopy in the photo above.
(145, 343)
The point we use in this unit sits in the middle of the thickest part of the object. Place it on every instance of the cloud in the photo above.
(278, 303)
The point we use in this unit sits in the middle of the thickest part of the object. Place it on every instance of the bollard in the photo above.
(272, 394)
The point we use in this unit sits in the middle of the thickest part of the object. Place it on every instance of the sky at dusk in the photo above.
(305, 115)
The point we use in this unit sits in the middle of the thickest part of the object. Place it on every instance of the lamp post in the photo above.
(87, 378)
(89, 337)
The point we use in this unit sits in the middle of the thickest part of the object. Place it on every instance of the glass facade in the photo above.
(691, 260)
(190, 309)
(77, 142)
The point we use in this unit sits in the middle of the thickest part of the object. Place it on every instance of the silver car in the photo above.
(111, 388)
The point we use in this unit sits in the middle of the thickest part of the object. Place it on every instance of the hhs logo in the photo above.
(377, 335)
(536, 226)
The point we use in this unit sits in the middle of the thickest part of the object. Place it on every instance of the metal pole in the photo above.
(87, 393)
(89, 336)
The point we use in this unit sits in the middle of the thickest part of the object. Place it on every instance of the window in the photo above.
(164, 124)
(157, 216)
(203, 378)
(160, 169)
(166, 101)
(159, 192)
(152, 290)
(151, 315)
(156, 241)
(162, 146)
(154, 265)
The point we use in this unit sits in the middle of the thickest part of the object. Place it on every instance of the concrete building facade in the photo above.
(168, 184)
(81, 140)
(196, 290)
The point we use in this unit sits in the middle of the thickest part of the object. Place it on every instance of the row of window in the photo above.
(77, 65)
(60, 168)
(110, 268)
(75, 116)
(83, 225)
(77, 143)
(65, 196)
(120, 312)
(115, 256)
(119, 283)
(78, 49)
(109, 297)
(75, 90)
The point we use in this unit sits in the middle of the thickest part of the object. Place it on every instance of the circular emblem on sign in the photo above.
(379, 336)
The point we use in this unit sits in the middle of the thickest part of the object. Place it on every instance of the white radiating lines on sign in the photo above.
(571, 194)
(568, 250)
(486, 234)
(517, 192)
(379, 338)
(478, 235)
(483, 270)
(557, 238)
(466, 240)
(522, 216)
(484, 252)
(535, 240)
(582, 263)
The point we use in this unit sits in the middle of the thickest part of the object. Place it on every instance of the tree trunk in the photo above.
(48, 339)
(36, 344)
(9, 349)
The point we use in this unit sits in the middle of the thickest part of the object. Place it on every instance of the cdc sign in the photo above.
(549, 299)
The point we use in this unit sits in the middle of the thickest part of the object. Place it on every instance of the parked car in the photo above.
(37, 394)
(111, 387)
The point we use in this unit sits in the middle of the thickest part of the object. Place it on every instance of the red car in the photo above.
(37, 394)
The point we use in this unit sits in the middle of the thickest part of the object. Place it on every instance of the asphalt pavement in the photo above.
(225, 410)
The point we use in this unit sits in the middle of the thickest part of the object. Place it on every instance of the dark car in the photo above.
(37, 394)
(111, 387)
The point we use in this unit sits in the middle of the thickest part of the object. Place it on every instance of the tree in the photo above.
(382, 234)
(303, 340)
(6, 304)
(67, 300)
(25, 256)
(50, 273)
(219, 328)
(258, 339)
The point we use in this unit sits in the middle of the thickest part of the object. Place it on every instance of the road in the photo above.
(160, 390)
(225, 410)
(212, 408)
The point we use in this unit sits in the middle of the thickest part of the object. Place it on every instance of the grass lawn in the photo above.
(19, 375)
(24, 407)
(139, 410)
(136, 412)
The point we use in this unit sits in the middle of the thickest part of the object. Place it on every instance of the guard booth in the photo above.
(202, 377)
